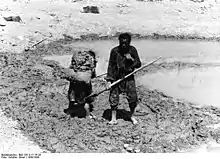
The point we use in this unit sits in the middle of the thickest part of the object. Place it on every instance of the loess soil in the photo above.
(33, 94)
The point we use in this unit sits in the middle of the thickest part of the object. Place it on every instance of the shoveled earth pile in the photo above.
(33, 94)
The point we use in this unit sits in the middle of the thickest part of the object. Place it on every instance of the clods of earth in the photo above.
(33, 94)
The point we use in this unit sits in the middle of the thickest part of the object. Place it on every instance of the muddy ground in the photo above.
(34, 95)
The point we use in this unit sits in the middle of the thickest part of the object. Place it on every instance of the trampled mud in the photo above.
(34, 95)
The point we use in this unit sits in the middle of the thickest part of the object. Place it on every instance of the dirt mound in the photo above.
(34, 96)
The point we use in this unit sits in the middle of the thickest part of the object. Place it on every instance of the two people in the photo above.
(123, 60)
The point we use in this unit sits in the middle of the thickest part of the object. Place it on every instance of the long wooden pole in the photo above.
(118, 81)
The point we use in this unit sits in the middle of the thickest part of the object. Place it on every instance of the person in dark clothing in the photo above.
(83, 64)
(123, 60)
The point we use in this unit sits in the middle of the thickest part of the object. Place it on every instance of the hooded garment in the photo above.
(83, 64)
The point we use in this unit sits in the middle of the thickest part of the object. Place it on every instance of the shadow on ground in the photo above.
(121, 114)
(34, 95)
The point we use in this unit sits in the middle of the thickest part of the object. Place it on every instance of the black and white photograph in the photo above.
(109, 77)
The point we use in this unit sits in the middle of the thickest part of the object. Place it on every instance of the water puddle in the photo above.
(63, 60)
(198, 85)
(153, 48)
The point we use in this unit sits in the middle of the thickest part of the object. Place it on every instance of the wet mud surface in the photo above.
(33, 94)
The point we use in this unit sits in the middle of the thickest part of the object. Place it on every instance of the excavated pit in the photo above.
(34, 95)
